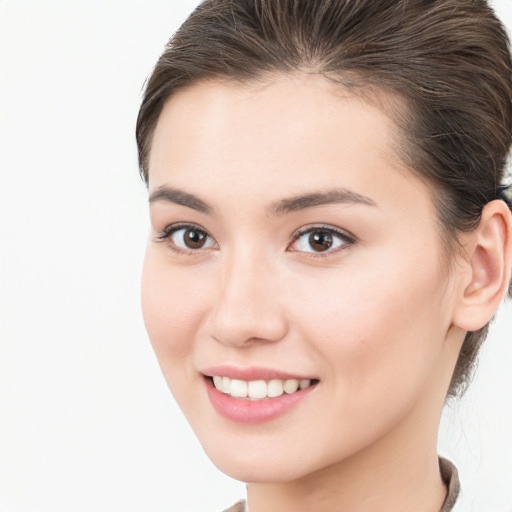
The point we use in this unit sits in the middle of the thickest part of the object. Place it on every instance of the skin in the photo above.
(375, 320)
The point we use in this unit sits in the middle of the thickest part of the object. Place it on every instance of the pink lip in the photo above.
(253, 412)
(251, 373)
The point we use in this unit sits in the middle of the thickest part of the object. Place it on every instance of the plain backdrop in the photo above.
(86, 420)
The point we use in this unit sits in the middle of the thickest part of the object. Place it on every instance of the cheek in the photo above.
(171, 306)
(378, 346)
(378, 326)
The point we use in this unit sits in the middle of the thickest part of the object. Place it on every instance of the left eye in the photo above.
(188, 238)
(319, 240)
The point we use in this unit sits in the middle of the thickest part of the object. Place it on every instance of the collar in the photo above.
(450, 477)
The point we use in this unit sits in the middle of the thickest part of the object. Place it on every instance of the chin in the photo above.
(255, 472)
(261, 466)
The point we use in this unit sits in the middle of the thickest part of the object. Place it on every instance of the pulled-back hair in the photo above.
(447, 61)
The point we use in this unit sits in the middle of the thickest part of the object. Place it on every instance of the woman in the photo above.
(331, 235)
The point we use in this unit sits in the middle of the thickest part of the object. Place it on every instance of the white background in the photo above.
(86, 420)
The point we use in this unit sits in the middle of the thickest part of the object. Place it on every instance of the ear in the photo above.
(488, 267)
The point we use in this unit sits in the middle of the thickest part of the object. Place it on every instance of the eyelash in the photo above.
(347, 239)
(166, 234)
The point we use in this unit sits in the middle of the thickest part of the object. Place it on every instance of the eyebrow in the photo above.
(176, 196)
(279, 208)
(304, 202)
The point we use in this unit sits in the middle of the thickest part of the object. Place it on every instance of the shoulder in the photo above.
(240, 506)
(451, 480)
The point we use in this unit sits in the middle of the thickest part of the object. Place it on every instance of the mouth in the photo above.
(256, 390)
(252, 396)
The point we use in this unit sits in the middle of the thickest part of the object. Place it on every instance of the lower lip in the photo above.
(251, 412)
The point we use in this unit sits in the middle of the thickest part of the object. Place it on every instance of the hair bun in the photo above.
(505, 194)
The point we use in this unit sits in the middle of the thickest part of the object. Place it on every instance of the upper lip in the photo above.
(251, 373)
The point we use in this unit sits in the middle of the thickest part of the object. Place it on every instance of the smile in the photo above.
(252, 396)
(258, 389)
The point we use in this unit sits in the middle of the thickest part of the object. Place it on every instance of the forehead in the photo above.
(298, 133)
(277, 116)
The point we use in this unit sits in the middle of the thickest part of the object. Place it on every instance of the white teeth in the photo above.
(238, 388)
(275, 388)
(217, 382)
(258, 389)
(290, 386)
(305, 383)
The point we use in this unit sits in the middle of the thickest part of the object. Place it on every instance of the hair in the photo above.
(447, 61)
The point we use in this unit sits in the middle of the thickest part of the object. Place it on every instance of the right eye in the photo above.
(187, 238)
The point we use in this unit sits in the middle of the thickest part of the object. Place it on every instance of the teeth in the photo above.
(275, 388)
(226, 385)
(290, 386)
(258, 389)
(217, 382)
(238, 388)
(305, 383)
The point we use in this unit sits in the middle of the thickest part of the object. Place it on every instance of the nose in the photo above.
(246, 308)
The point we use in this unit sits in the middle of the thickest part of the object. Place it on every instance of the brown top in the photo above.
(448, 473)
(450, 477)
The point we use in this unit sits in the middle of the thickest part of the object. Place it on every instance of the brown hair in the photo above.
(449, 60)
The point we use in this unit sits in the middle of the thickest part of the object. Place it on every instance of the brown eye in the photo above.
(194, 238)
(188, 238)
(320, 241)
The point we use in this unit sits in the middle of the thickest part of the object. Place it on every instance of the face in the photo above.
(289, 248)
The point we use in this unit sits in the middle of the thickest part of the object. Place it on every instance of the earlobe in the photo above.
(489, 265)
